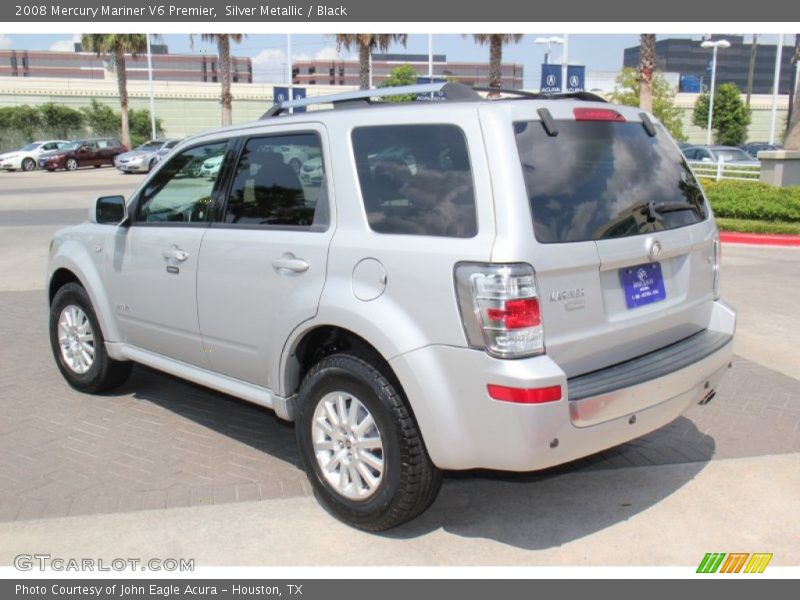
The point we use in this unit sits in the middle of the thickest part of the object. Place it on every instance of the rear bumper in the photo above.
(464, 428)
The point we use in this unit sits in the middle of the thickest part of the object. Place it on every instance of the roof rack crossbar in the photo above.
(451, 91)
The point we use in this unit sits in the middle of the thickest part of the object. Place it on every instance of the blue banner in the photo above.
(551, 79)
(576, 78)
(281, 94)
(436, 96)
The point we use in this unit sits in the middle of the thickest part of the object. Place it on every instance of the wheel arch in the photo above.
(72, 264)
(320, 340)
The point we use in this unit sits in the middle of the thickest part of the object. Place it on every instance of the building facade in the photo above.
(346, 72)
(685, 56)
(87, 65)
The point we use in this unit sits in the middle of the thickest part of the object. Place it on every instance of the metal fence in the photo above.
(721, 170)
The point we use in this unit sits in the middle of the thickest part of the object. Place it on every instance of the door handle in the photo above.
(175, 253)
(290, 263)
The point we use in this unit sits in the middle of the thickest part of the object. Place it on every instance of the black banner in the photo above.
(378, 12)
(383, 589)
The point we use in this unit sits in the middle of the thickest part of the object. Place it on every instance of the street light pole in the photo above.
(775, 83)
(715, 46)
(152, 100)
(290, 70)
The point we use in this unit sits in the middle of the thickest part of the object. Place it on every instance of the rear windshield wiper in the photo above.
(654, 210)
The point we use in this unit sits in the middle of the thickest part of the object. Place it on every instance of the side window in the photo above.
(50, 146)
(279, 180)
(102, 144)
(181, 191)
(416, 180)
(690, 154)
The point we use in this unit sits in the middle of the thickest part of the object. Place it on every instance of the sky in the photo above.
(598, 52)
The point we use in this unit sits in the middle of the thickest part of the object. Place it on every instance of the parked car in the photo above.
(754, 148)
(712, 154)
(27, 157)
(94, 152)
(211, 166)
(311, 171)
(143, 158)
(544, 285)
(166, 149)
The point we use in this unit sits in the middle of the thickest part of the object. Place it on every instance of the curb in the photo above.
(759, 239)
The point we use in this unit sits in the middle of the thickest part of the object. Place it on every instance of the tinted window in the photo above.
(181, 191)
(416, 179)
(597, 180)
(279, 180)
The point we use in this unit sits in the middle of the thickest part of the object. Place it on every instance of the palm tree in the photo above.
(792, 141)
(496, 42)
(366, 43)
(117, 45)
(647, 64)
(223, 41)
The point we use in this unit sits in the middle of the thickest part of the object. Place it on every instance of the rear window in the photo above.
(416, 180)
(598, 180)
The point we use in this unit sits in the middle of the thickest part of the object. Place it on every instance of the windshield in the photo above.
(733, 154)
(29, 147)
(597, 180)
(150, 146)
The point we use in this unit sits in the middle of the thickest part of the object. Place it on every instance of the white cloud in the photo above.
(328, 53)
(66, 45)
(269, 66)
(5, 42)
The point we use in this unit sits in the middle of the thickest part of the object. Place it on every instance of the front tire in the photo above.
(28, 164)
(78, 344)
(360, 445)
(71, 164)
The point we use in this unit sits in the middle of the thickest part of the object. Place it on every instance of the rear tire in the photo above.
(78, 344)
(373, 477)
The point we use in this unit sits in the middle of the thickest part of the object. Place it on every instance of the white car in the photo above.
(211, 166)
(27, 157)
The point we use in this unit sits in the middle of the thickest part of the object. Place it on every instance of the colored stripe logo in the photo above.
(734, 562)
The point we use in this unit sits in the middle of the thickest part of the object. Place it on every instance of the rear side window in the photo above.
(279, 181)
(598, 180)
(416, 180)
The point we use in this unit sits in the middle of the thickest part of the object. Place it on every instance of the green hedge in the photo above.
(753, 201)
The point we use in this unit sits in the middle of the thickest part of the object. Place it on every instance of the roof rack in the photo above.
(451, 91)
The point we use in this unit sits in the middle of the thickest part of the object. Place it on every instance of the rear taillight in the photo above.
(716, 258)
(500, 308)
(597, 114)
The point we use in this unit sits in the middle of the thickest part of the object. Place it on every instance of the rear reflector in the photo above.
(597, 114)
(523, 396)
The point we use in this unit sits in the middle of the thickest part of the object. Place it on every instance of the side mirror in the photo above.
(109, 210)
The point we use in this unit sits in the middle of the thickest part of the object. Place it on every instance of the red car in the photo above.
(94, 152)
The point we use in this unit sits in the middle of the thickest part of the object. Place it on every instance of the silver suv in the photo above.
(508, 283)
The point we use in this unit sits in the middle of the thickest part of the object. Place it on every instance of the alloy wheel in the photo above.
(348, 445)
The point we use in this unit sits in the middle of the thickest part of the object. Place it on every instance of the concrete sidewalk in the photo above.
(665, 515)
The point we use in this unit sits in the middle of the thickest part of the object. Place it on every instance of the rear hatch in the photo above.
(622, 239)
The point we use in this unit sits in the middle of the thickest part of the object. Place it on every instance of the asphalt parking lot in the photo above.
(160, 444)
